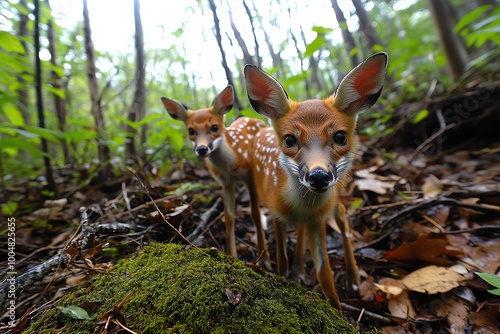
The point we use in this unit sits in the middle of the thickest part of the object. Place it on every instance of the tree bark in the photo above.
(297, 49)
(59, 103)
(346, 34)
(138, 108)
(275, 57)
(256, 42)
(103, 150)
(51, 185)
(366, 26)
(455, 51)
(247, 57)
(23, 94)
(218, 36)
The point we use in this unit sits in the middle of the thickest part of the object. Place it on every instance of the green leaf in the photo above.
(490, 278)
(9, 208)
(322, 30)
(56, 91)
(75, 312)
(470, 17)
(11, 146)
(149, 118)
(495, 292)
(295, 79)
(50, 135)
(13, 114)
(132, 124)
(11, 43)
(422, 114)
(314, 46)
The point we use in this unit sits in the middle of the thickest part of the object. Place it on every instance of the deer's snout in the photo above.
(319, 179)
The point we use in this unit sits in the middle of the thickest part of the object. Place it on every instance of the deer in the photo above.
(227, 155)
(301, 165)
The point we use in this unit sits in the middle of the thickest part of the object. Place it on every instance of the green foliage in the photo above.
(478, 27)
(493, 280)
(405, 29)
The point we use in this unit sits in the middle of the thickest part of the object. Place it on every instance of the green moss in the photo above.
(179, 291)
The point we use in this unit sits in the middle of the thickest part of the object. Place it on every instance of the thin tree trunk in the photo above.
(247, 57)
(275, 57)
(366, 26)
(59, 103)
(138, 108)
(103, 150)
(256, 42)
(346, 34)
(296, 44)
(218, 36)
(455, 51)
(23, 94)
(51, 185)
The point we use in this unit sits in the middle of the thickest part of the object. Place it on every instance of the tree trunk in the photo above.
(256, 42)
(138, 108)
(297, 49)
(247, 57)
(275, 57)
(218, 36)
(366, 26)
(103, 150)
(51, 185)
(346, 34)
(23, 94)
(59, 103)
(456, 54)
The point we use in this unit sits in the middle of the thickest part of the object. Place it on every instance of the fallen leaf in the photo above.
(489, 320)
(454, 309)
(377, 186)
(75, 312)
(432, 187)
(429, 247)
(432, 280)
(400, 306)
(390, 290)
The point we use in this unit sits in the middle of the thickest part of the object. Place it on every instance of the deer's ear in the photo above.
(266, 95)
(224, 101)
(362, 86)
(176, 109)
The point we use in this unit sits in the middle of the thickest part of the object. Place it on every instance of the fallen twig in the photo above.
(204, 219)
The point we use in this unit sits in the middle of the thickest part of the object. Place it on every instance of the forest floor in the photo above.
(425, 219)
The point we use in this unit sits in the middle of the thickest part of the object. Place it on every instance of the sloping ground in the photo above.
(424, 205)
(166, 288)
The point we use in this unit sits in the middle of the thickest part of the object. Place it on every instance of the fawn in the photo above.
(227, 153)
(301, 167)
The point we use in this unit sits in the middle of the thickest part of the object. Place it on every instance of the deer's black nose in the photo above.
(202, 151)
(319, 178)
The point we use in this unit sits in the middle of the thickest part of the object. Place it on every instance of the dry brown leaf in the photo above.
(377, 186)
(486, 256)
(432, 279)
(400, 306)
(432, 187)
(489, 320)
(428, 248)
(454, 309)
(392, 287)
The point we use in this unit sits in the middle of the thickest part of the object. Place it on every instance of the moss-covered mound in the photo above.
(196, 291)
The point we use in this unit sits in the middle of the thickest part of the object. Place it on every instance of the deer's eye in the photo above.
(340, 138)
(290, 141)
(214, 128)
(191, 132)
